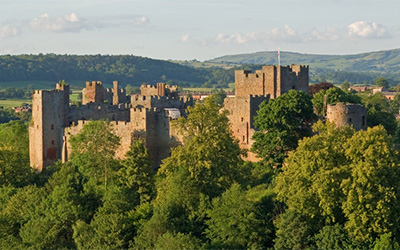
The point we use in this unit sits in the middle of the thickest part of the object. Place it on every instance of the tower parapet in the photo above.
(271, 80)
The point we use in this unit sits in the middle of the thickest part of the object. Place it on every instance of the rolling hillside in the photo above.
(380, 61)
(356, 68)
(51, 68)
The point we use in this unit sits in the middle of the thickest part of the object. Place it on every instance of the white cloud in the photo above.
(362, 29)
(288, 34)
(185, 38)
(285, 34)
(68, 23)
(8, 31)
(141, 21)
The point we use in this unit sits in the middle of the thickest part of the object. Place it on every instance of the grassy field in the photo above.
(231, 86)
(74, 96)
(9, 103)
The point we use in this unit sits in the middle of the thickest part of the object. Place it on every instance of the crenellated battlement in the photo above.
(54, 120)
(94, 83)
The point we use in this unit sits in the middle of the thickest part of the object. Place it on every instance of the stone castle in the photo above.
(253, 88)
(147, 115)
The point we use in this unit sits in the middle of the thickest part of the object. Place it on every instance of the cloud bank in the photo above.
(362, 29)
(288, 34)
(68, 23)
(7, 31)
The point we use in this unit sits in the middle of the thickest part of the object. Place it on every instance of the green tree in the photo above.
(93, 150)
(382, 82)
(310, 182)
(281, 122)
(236, 222)
(345, 86)
(50, 226)
(333, 237)
(331, 96)
(207, 164)
(386, 242)
(14, 154)
(343, 178)
(372, 189)
(379, 112)
(210, 155)
(294, 231)
(137, 173)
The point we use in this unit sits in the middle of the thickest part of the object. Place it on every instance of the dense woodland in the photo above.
(126, 69)
(316, 186)
(134, 70)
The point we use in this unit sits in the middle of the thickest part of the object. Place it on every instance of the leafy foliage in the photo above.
(339, 177)
(281, 123)
(14, 156)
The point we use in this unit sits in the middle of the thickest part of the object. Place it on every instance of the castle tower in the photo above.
(94, 92)
(49, 117)
(115, 93)
(271, 80)
(161, 89)
(347, 114)
(253, 88)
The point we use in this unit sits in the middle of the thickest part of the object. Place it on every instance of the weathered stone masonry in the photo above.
(253, 88)
(54, 120)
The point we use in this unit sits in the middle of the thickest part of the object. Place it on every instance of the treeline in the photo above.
(16, 93)
(127, 69)
(315, 187)
(336, 77)
(134, 70)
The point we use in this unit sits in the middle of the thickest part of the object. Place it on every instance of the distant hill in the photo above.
(362, 67)
(73, 68)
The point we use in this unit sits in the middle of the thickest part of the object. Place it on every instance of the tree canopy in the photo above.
(281, 122)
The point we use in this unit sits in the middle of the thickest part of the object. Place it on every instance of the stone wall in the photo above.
(241, 113)
(54, 121)
(271, 80)
(253, 88)
(49, 110)
(347, 114)
(161, 89)
(122, 129)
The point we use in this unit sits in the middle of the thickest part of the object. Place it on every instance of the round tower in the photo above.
(347, 114)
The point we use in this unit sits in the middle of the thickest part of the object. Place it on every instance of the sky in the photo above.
(197, 29)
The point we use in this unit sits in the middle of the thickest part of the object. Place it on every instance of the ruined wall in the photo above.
(347, 114)
(121, 129)
(161, 89)
(160, 102)
(93, 111)
(54, 121)
(49, 111)
(241, 113)
(158, 138)
(293, 77)
(94, 92)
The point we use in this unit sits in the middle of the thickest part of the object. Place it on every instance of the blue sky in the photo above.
(197, 29)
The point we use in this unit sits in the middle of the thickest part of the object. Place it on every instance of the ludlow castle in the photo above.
(149, 114)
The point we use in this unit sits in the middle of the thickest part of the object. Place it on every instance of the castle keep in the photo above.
(253, 88)
(147, 115)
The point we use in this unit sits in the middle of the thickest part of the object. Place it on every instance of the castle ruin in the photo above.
(343, 114)
(253, 88)
(147, 115)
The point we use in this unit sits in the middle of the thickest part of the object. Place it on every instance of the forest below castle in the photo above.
(316, 186)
